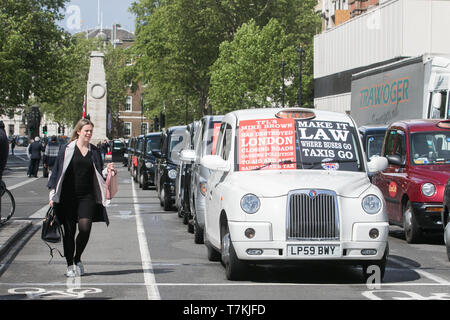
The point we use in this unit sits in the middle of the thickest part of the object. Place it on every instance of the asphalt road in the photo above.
(147, 254)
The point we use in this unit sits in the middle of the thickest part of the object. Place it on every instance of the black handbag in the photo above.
(51, 228)
(51, 231)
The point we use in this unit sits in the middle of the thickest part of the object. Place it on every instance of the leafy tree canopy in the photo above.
(30, 50)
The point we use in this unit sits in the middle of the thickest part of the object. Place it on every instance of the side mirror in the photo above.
(377, 164)
(216, 163)
(156, 153)
(188, 155)
(394, 159)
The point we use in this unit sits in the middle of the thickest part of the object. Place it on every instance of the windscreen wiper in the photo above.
(276, 162)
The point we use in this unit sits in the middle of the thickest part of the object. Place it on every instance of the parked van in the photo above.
(205, 141)
(292, 185)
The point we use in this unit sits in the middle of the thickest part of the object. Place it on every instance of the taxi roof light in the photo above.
(445, 124)
(295, 114)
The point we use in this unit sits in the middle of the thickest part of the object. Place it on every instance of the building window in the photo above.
(129, 103)
(144, 127)
(127, 129)
(11, 129)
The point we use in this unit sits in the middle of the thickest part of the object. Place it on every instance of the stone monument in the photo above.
(96, 105)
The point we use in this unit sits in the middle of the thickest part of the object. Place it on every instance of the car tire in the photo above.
(185, 217)
(165, 201)
(235, 269)
(160, 193)
(447, 239)
(212, 254)
(198, 233)
(381, 265)
(413, 234)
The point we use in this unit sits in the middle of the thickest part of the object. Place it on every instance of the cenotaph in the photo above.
(96, 97)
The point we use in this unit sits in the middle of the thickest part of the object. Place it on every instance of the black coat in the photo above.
(35, 150)
(4, 150)
(100, 214)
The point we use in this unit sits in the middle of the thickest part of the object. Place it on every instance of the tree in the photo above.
(30, 50)
(178, 41)
(66, 106)
(248, 72)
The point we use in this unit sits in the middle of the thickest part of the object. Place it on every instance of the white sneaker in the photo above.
(80, 269)
(71, 272)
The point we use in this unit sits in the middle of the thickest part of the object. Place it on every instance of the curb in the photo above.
(10, 232)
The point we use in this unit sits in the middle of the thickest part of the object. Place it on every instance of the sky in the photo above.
(83, 14)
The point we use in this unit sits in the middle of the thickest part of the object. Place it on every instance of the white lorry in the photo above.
(413, 88)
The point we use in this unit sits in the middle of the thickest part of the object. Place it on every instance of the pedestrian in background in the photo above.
(80, 198)
(105, 149)
(34, 153)
(13, 145)
(4, 148)
(50, 154)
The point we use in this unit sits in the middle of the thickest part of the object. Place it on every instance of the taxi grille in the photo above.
(312, 215)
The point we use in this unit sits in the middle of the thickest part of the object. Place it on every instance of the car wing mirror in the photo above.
(377, 164)
(395, 160)
(156, 153)
(188, 155)
(215, 163)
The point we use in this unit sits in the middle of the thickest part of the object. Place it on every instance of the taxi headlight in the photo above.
(149, 165)
(250, 203)
(172, 174)
(428, 189)
(371, 204)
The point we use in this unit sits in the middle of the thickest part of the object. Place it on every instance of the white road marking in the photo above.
(21, 183)
(231, 284)
(149, 277)
(40, 213)
(421, 272)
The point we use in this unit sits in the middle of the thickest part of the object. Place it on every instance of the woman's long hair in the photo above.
(80, 124)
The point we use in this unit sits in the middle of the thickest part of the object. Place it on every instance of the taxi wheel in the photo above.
(413, 234)
(447, 239)
(165, 201)
(213, 254)
(235, 269)
(198, 233)
(380, 264)
(160, 196)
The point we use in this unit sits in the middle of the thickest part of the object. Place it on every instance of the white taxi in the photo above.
(292, 184)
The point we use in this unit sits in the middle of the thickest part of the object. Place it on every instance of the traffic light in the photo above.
(156, 123)
(163, 120)
(44, 129)
(59, 129)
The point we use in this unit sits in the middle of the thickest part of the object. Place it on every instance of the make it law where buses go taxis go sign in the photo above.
(281, 144)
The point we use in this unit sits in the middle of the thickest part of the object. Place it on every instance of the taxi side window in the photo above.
(395, 144)
(219, 140)
(226, 143)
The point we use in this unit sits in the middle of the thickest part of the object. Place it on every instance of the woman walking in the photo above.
(77, 193)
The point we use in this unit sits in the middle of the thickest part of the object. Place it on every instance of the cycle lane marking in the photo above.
(149, 277)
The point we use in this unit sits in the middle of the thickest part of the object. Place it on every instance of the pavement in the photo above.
(11, 231)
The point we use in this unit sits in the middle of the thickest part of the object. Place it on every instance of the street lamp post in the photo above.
(282, 79)
(187, 97)
(300, 51)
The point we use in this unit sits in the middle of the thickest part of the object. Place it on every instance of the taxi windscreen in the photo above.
(430, 148)
(153, 143)
(290, 144)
